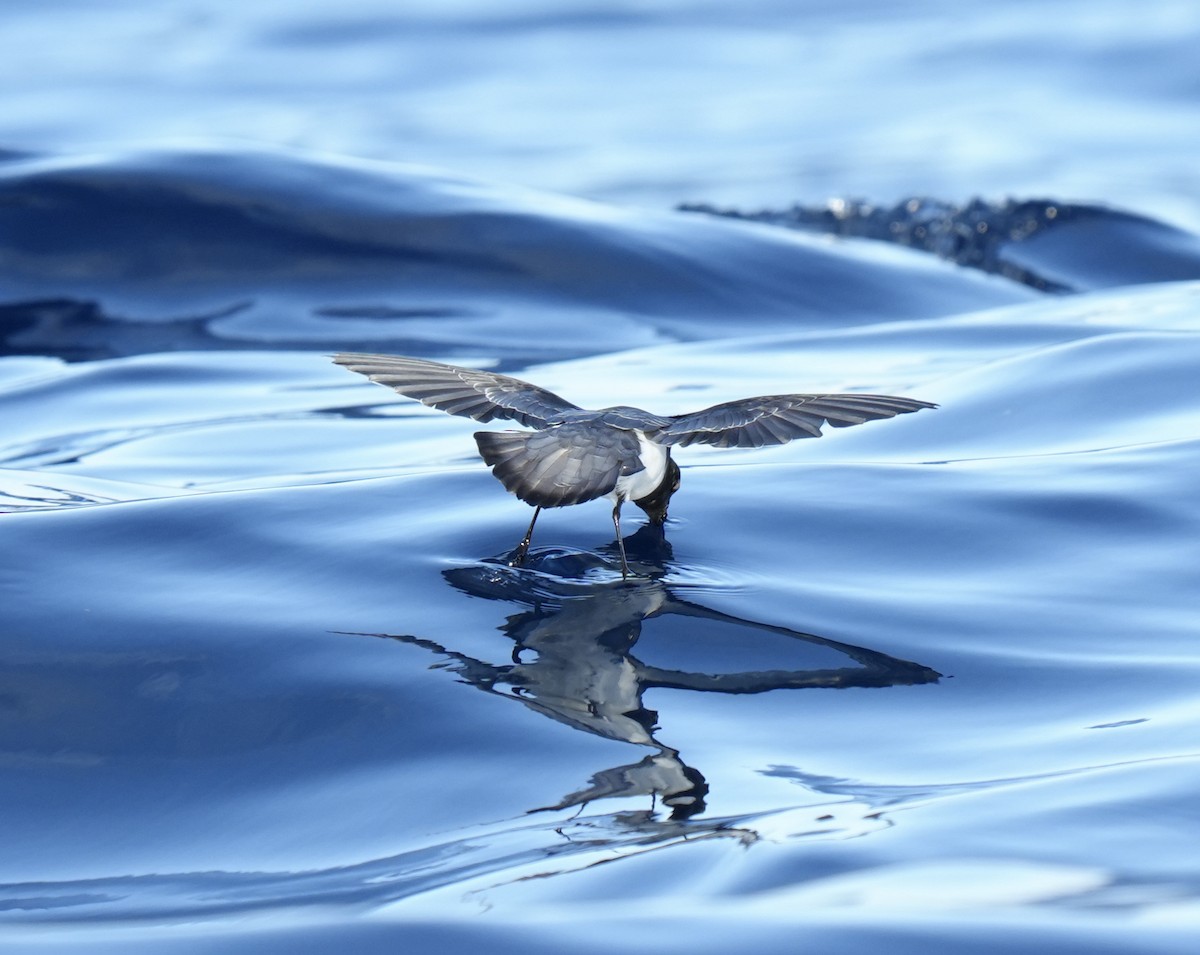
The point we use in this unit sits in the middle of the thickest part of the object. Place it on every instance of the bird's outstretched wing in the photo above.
(565, 464)
(482, 395)
(777, 419)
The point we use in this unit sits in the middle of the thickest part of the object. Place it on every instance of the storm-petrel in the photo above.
(622, 453)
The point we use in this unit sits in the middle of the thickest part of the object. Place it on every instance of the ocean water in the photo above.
(267, 682)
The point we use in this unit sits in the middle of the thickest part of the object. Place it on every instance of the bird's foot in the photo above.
(517, 557)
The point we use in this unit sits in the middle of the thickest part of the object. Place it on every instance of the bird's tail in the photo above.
(548, 468)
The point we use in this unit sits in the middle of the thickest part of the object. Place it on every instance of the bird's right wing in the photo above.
(482, 395)
(564, 464)
(778, 419)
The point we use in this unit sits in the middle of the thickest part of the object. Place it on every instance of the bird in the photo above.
(574, 455)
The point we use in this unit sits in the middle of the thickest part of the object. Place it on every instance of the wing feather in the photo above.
(481, 395)
(778, 419)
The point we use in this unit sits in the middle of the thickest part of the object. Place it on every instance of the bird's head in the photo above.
(655, 503)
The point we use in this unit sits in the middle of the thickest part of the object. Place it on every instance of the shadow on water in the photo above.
(572, 660)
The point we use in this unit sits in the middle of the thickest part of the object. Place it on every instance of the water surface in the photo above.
(268, 683)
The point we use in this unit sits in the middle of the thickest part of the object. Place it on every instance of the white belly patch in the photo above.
(634, 487)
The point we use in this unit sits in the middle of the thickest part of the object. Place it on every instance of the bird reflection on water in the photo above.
(572, 660)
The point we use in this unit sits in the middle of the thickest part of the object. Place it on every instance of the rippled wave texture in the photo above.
(268, 684)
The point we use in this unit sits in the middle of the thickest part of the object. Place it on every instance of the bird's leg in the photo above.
(523, 548)
(620, 543)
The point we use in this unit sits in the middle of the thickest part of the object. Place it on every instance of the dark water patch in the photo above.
(1046, 244)
(81, 331)
(224, 249)
(387, 311)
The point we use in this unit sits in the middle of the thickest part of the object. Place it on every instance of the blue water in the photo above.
(266, 681)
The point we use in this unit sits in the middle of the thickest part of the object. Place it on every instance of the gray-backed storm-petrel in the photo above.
(576, 455)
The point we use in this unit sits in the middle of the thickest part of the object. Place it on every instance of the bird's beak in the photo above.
(658, 516)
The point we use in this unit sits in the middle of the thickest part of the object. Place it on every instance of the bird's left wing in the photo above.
(482, 395)
(778, 419)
